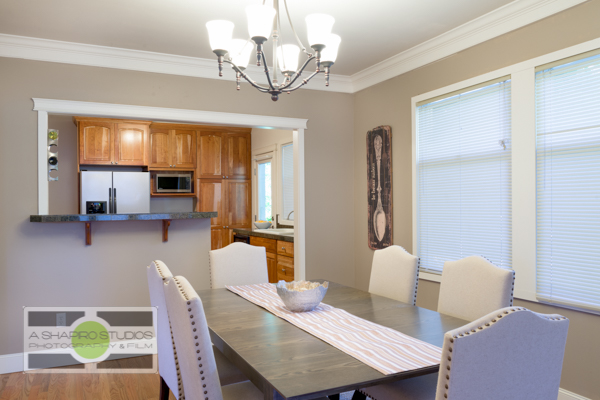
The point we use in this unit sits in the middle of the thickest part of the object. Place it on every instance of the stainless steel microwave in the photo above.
(173, 183)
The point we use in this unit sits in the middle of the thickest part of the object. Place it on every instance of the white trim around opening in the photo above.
(106, 110)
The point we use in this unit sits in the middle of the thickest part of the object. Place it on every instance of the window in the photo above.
(568, 183)
(263, 170)
(287, 175)
(463, 171)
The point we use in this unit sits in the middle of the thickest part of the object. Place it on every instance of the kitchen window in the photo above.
(567, 97)
(263, 170)
(463, 173)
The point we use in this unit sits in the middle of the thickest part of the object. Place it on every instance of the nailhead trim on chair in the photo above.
(185, 295)
(479, 329)
(417, 281)
(181, 395)
(512, 290)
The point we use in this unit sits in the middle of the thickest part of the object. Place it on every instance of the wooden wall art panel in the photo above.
(379, 187)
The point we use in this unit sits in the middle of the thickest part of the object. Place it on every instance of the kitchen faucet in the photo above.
(288, 217)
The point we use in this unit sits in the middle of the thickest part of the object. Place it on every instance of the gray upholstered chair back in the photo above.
(512, 353)
(473, 287)
(192, 340)
(395, 274)
(157, 273)
(238, 264)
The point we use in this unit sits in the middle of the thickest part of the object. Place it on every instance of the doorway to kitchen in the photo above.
(44, 107)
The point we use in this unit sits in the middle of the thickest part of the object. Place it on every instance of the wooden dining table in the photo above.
(285, 362)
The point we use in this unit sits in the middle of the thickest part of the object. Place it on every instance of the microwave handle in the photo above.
(115, 200)
(110, 200)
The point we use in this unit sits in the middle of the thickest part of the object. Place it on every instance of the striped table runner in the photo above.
(386, 350)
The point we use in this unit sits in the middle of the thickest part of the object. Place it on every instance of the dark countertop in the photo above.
(120, 217)
(276, 236)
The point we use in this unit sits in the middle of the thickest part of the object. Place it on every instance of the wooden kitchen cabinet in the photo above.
(172, 147)
(272, 267)
(231, 200)
(210, 154)
(104, 141)
(280, 267)
(238, 149)
(285, 268)
(131, 142)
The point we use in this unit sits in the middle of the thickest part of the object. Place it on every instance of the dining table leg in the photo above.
(272, 394)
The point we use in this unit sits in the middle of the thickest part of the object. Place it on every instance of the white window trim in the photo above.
(282, 219)
(274, 194)
(523, 161)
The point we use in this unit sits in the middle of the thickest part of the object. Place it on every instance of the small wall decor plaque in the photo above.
(379, 187)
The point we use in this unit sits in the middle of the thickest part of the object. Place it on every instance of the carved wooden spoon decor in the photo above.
(379, 215)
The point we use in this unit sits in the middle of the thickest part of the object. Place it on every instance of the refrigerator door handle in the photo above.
(110, 200)
(115, 200)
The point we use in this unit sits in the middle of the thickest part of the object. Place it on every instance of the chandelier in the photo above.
(264, 22)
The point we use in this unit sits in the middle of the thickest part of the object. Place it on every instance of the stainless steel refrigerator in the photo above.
(106, 192)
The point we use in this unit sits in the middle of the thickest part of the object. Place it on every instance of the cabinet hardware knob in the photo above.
(282, 269)
(112, 162)
(223, 176)
(223, 227)
(227, 176)
(116, 162)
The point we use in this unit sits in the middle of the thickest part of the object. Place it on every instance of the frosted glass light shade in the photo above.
(260, 20)
(330, 52)
(288, 57)
(319, 28)
(240, 51)
(219, 34)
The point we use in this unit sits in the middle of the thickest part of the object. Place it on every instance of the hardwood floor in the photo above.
(59, 385)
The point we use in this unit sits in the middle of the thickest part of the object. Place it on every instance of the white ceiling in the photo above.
(371, 30)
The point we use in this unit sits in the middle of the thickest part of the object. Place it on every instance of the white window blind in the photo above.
(464, 176)
(287, 169)
(568, 183)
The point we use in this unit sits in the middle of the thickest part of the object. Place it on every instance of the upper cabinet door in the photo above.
(184, 149)
(131, 144)
(211, 155)
(96, 142)
(160, 148)
(238, 156)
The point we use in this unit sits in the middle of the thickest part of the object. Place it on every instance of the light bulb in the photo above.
(240, 52)
(219, 34)
(332, 44)
(319, 28)
(260, 20)
(288, 57)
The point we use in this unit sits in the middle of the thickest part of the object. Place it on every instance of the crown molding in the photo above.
(495, 23)
(498, 22)
(136, 60)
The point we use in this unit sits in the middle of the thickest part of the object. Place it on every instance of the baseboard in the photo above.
(10, 363)
(564, 394)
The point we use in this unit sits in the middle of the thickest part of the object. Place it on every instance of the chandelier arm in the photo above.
(247, 78)
(292, 26)
(304, 82)
(297, 74)
(262, 53)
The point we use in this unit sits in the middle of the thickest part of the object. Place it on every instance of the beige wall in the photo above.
(48, 264)
(388, 103)
(268, 137)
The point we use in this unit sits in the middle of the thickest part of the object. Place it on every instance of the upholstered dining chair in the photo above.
(395, 274)
(238, 264)
(510, 354)
(199, 371)
(158, 273)
(473, 287)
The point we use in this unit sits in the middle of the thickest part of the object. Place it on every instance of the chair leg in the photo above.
(164, 390)
(358, 396)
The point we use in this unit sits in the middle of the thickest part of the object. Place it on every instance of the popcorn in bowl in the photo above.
(301, 296)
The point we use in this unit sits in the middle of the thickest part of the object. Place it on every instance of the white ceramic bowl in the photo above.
(301, 296)
(262, 225)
